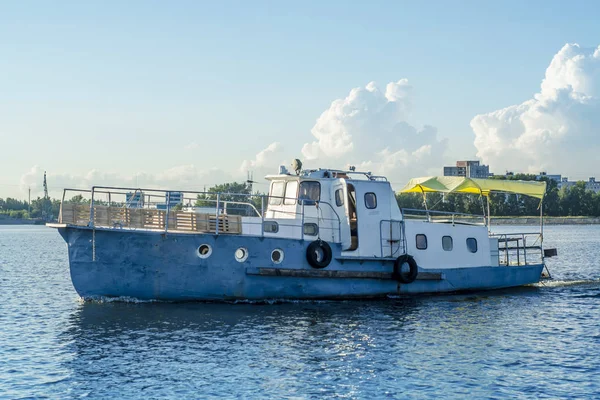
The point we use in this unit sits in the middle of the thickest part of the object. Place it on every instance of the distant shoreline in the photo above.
(20, 221)
(547, 220)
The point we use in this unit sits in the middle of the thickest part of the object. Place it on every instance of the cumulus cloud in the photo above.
(557, 130)
(369, 128)
(264, 158)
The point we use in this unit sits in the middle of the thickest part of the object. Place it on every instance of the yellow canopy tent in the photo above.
(483, 187)
(456, 184)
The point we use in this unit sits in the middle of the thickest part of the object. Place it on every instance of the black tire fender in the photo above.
(312, 254)
(405, 277)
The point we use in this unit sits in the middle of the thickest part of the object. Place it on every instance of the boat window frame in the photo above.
(374, 197)
(417, 241)
(270, 223)
(469, 248)
(309, 201)
(291, 199)
(276, 200)
(339, 197)
(451, 243)
(311, 225)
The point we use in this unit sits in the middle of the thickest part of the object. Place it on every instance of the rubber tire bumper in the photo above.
(413, 272)
(311, 254)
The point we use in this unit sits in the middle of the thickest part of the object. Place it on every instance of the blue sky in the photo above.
(122, 87)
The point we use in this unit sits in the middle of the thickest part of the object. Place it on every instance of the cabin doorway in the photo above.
(352, 217)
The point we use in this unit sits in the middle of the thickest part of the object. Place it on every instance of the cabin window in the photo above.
(311, 229)
(270, 227)
(472, 245)
(447, 243)
(277, 192)
(310, 192)
(421, 242)
(291, 192)
(370, 200)
(339, 197)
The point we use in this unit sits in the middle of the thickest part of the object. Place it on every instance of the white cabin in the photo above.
(359, 211)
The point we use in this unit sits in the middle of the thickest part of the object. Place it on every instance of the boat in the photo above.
(317, 234)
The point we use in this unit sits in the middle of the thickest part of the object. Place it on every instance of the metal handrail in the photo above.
(413, 213)
(518, 238)
(441, 212)
(161, 193)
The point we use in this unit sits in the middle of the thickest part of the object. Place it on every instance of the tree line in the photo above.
(568, 201)
(40, 208)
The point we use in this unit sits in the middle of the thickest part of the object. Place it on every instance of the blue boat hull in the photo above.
(155, 265)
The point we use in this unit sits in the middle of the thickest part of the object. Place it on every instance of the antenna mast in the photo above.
(250, 181)
(46, 208)
(45, 187)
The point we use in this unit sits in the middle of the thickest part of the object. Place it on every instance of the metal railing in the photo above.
(519, 248)
(195, 211)
(442, 217)
(392, 237)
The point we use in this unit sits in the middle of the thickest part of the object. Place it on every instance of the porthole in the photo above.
(241, 254)
(447, 243)
(370, 200)
(421, 241)
(472, 245)
(277, 256)
(204, 251)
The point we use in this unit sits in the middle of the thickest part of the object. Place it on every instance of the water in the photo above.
(531, 342)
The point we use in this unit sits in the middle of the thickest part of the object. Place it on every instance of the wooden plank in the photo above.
(144, 218)
(101, 216)
(136, 218)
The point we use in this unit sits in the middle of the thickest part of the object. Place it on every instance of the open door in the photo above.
(340, 196)
(352, 216)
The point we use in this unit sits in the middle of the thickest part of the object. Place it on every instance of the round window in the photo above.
(204, 251)
(277, 256)
(241, 254)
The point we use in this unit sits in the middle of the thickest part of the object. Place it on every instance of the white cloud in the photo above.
(557, 130)
(264, 158)
(191, 146)
(369, 129)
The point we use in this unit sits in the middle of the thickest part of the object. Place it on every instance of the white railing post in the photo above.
(302, 222)
(525, 249)
(217, 214)
(62, 201)
(167, 211)
(92, 208)
(262, 215)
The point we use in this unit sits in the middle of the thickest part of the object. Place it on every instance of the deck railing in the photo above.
(519, 248)
(177, 211)
(446, 217)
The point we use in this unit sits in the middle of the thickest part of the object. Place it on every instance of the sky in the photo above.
(187, 94)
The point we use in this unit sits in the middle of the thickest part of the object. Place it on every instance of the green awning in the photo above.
(456, 184)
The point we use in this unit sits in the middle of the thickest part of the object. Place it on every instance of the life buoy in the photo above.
(318, 254)
(405, 276)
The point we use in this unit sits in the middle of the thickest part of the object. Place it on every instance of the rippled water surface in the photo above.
(531, 342)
